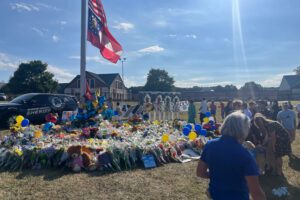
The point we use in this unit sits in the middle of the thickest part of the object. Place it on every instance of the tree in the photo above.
(297, 70)
(230, 88)
(159, 80)
(251, 86)
(31, 77)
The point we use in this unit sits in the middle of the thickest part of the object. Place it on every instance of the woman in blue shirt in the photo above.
(232, 171)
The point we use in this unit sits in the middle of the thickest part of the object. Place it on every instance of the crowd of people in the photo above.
(255, 137)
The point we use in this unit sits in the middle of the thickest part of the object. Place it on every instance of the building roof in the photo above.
(292, 80)
(108, 78)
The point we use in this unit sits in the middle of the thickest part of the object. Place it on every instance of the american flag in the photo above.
(98, 33)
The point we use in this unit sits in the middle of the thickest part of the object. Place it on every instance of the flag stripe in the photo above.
(99, 35)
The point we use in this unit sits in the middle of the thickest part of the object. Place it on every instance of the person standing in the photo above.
(275, 110)
(191, 112)
(222, 106)
(246, 111)
(298, 115)
(213, 110)
(203, 109)
(231, 168)
(228, 109)
(287, 118)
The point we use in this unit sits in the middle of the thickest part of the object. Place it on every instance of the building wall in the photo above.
(118, 90)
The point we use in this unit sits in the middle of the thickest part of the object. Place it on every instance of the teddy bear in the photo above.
(81, 158)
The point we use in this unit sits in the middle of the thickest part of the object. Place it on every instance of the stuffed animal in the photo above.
(81, 158)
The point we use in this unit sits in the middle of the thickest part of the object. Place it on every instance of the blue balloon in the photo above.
(25, 122)
(198, 128)
(213, 127)
(186, 131)
(208, 114)
(116, 112)
(48, 126)
(101, 100)
(189, 126)
(211, 122)
(203, 132)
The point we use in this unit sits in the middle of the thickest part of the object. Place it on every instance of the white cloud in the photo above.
(55, 38)
(172, 35)
(152, 49)
(191, 36)
(6, 63)
(43, 5)
(24, 7)
(94, 59)
(63, 22)
(60, 74)
(38, 31)
(124, 26)
(274, 80)
(178, 11)
(161, 23)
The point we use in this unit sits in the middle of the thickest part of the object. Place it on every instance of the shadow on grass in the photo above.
(270, 182)
(294, 163)
(48, 174)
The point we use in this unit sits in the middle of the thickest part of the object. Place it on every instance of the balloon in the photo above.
(186, 131)
(213, 127)
(211, 118)
(116, 112)
(38, 134)
(192, 135)
(51, 118)
(198, 128)
(211, 122)
(206, 120)
(19, 119)
(208, 114)
(165, 138)
(189, 126)
(48, 126)
(203, 132)
(25, 123)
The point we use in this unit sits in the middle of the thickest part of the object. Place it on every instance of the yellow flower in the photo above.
(18, 152)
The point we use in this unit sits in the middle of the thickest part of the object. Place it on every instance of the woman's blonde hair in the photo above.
(259, 116)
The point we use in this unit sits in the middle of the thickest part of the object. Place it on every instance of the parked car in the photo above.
(3, 97)
(35, 106)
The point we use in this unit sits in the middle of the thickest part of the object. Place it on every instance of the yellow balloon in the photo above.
(18, 124)
(192, 135)
(165, 138)
(38, 134)
(19, 119)
(206, 120)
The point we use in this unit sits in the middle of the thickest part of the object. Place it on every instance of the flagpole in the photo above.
(83, 51)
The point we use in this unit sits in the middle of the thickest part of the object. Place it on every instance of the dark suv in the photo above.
(35, 106)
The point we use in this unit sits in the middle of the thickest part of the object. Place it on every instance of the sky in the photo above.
(198, 42)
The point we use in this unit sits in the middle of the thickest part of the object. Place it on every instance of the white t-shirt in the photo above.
(298, 107)
(203, 107)
(287, 119)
